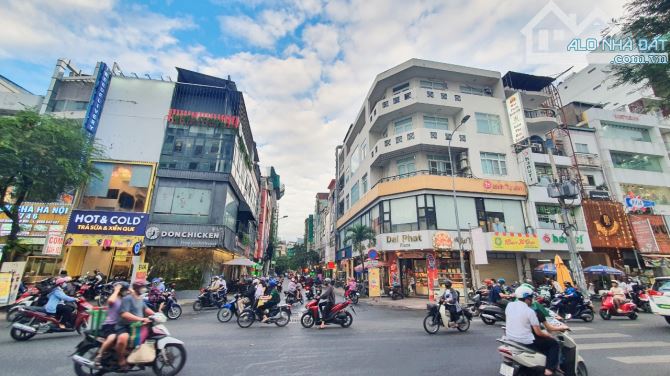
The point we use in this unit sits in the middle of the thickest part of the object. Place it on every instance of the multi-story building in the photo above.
(14, 98)
(308, 240)
(394, 174)
(271, 191)
(320, 229)
(329, 232)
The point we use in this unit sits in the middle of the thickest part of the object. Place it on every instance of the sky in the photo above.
(304, 66)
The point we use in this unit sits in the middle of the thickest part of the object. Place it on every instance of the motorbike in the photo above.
(354, 295)
(544, 295)
(641, 300)
(207, 300)
(168, 360)
(582, 310)
(291, 298)
(475, 304)
(27, 299)
(395, 292)
(31, 321)
(278, 315)
(229, 309)
(608, 309)
(433, 320)
(171, 308)
(491, 313)
(338, 315)
(517, 359)
(309, 292)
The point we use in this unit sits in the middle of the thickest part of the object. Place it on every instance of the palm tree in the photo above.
(357, 234)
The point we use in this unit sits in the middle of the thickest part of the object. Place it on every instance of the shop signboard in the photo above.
(16, 270)
(37, 220)
(527, 165)
(517, 119)
(53, 245)
(185, 235)
(5, 288)
(607, 224)
(599, 195)
(513, 242)
(479, 246)
(374, 286)
(555, 240)
(105, 228)
(405, 241)
(141, 272)
(659, 231)
(121, 255)
(637, 203)
(97, 101)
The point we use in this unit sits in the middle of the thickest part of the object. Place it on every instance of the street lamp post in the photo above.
(453, 193)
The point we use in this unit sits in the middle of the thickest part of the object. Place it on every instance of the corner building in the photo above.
(394, 174)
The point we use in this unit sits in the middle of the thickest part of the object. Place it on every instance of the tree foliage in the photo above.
(358, 234)
(647, 19)
(42, 157)
(300, 258)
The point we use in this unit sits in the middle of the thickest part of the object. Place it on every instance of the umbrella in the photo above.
(562, 272)
(547, 269)
(240, 261)
(603, 270)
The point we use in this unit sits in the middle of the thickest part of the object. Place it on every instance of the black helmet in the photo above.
(124, 285)
(447, 284)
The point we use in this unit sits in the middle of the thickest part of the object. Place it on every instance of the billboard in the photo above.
(97, 101)
(517, 120)
(38, 220)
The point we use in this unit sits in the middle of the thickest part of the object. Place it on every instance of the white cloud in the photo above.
(264, 31)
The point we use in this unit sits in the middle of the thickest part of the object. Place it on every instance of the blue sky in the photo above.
(304, 65)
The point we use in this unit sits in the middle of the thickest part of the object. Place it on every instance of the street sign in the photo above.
(372, 254)
(136, 248)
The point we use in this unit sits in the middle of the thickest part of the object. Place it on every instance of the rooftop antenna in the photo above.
(169, 78)
(147, 74)
(134, 74)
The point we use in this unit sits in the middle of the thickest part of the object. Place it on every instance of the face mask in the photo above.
(143, 290)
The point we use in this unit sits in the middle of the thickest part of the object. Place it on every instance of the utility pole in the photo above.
(563, 190)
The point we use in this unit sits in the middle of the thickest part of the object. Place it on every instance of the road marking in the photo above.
(580, 328)
(620, 345)
(642, 359)
(600, 335)
(631, 325)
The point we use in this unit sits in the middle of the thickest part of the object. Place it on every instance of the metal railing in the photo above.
(419, 173)
(540, 112)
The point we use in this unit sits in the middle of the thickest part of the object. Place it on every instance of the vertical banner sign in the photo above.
(479, 246)
(97, 101)
(431, 268)
(528, 166)
(16, 269)
(374, 287)
(53, 245)
(644, 236)
(141, 272)
(5, 288)
(517, 120)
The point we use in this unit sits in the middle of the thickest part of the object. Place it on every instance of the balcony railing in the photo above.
(421, 172)
(587, 159)
(417, 136)
(540, 112)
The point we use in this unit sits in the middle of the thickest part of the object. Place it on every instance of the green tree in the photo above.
(282, 264)
(647, 19)
(42, 157)
(358, 234)
(302, 258)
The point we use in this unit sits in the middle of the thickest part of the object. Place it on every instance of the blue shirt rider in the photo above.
(54, 307)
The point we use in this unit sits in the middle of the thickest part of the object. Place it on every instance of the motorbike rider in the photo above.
(523, 326)
(213, 289)
(271, 299)
(326, 301)
(55, 306)
(571, 298)
(498, 295)
(618, 295)
(450, 299)
(132, 310)
(108, 329)
(351, 287)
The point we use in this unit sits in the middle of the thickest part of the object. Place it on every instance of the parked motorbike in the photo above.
(209, 300)
(582, 310)
(338, 315)
(27, 299)
(491, 313)
(608, 309)
(433, 320)
(228, 310)
(641, 300)
(168, 360)
(278, 315)
(395, 292)
(517, 359)
(171, 308)
(31, 321)
(475, 304)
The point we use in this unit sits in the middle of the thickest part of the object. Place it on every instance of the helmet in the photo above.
(216, 277)
(61, 281)
(327, 281)
(447, 284)
(255, 281)
(488, 282)
(272, 283)
(156, 280)
(614, 281)
(524, 293)
(567, 283)
(501, 280)
(124, 285)
(137, 285)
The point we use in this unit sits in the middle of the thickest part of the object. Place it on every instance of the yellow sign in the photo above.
(5, 287)
(99, 240)
(121, 255)
(141, 272)
(374, 287)
(510, 241)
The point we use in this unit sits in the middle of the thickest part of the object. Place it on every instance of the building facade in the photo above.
(271, 191)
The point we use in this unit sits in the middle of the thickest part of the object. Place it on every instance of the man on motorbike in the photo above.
(214, 287)
(523, 326)
(271, 299)
(108, 329)
(450, 299)
(132, 310)
(55, 306)
(497, 295)
(326, 301)
(571, 298)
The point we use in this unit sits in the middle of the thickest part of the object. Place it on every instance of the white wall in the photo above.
(133, 121)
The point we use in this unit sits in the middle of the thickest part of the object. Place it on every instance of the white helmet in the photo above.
(255, 281)
(523, 292)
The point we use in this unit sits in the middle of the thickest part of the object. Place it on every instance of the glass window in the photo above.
(403, 214)
(439, 165)
(625, 132)
(546, 176)
(488, 123)
(402, 126)
(467, 89)
(354, 193)
(121, 187)
(493, 164)
(375, 222)
(400, 88)
(444, 212)
(581, 148)
(230, 212)
(355, 160)
(546, 215)
(406, 166)
(660, 195)
(641, 162)
(434, 122)
(207, 148)
(364, 183)
(434, 85)
(346, 203)
(504, 216)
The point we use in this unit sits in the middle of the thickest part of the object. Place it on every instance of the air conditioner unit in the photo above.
(463, 164)
(536, 147)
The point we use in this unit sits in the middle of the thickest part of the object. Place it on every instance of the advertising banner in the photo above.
(53, 245)
(515, 242)
(107, 223)
(658, 228)
(106, 241)
(527, 166)
(374, 287)
(38, 219)
(97, 101)
(517, 119)
(141, 272)
(16, 269)
(5, 288)
(644, 236)
(479, 246)
(431, 269)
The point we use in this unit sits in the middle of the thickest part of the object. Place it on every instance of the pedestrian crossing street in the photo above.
(591, 340)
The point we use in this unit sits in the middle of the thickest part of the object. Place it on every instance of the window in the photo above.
(591, 180)
(439, 165)
(354, 193)
(355, 160)
(193, 165)
(426, 211)
(660, 195)
(488, 123)
(434, 122)
(545, 175)
(466, 89)
(120, 187)
(581, 148)
(403, 214)
(639, 162)
(402, 126)
(346, 203)
(434, 85)
(406, 166)
(444, 210)
(230, 212)
(364, 183)
(493, 164)
(400, 88)
(184, 201)
(178, 146)
(546, 215)
(625, 132)
(504, 216)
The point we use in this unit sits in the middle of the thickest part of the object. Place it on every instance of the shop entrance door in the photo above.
(122, 264)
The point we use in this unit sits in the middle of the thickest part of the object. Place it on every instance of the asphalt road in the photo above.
(381, 341)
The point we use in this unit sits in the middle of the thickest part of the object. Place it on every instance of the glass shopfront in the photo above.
(660, 195)
(121, 187)
(198, 148)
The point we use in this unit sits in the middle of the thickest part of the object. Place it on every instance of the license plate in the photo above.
(506, 370)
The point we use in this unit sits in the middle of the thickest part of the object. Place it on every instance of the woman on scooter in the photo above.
(618, 295)
(55, 306)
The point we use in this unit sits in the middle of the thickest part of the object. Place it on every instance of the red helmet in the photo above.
(60, 281)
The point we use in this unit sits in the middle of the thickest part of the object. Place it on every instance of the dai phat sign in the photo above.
(107, 223)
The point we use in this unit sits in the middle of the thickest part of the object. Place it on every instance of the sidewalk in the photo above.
(385, 301)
